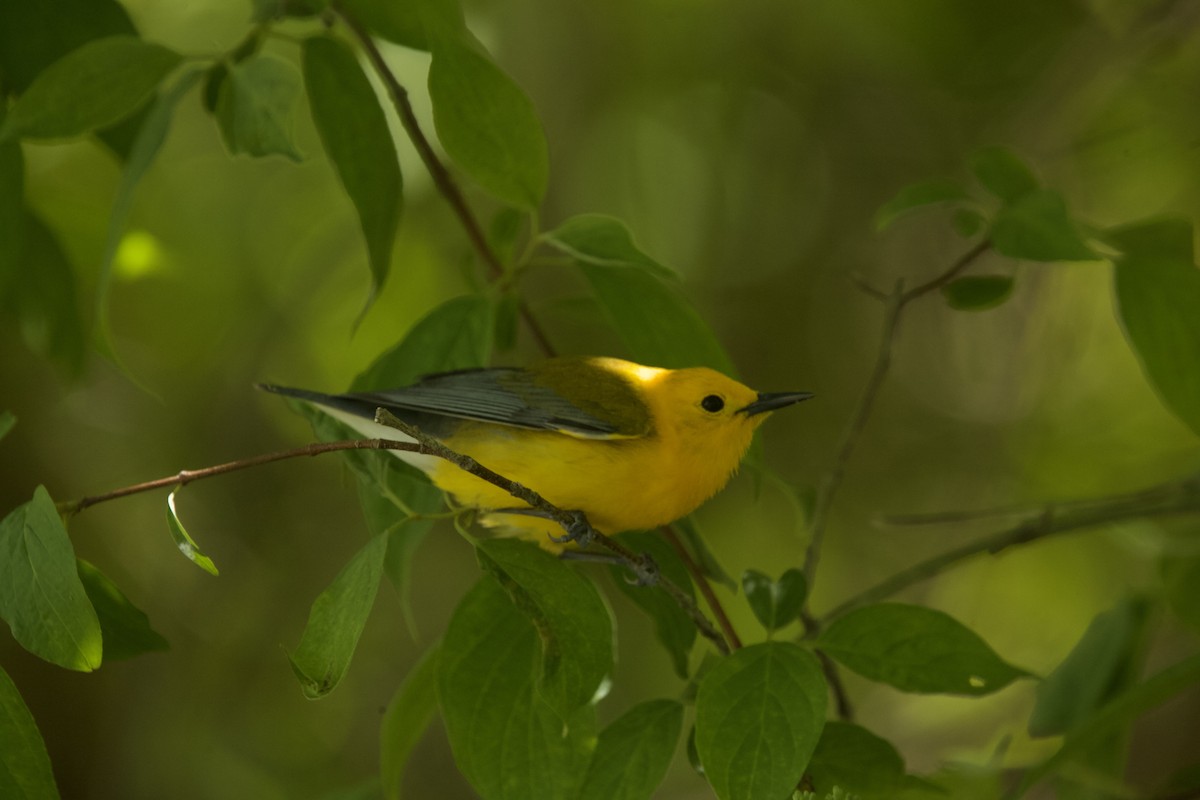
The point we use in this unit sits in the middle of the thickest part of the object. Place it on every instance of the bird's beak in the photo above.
(769, 401)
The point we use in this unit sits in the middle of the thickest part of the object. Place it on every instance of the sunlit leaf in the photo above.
(916, 196)
(125, 627)
(407, 716)
(916, 649)
(775, 603)
(633, 752)
(356, 138)
(91, 87)
(336, 621)
(759, 714)
(857, 761)
(256, 107)
(25, 771)
(978, 292)
(41, 596)
(1036, 227)
(572, 620)
(602, 241)
(1003, 173)
(183, 540)
(672, 625)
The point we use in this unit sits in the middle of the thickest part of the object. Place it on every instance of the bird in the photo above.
(632, 447)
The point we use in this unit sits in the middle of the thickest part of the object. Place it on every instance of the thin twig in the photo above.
(701, 581)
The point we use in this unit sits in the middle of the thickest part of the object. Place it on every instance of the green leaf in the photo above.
(857, 761)
(672, 624)
(775, 603)
(125, 627)
(25, 771)
(256, 106)
(572, 620)
(1162, 237)
(1181, 577)
(35, 35)
(43, 292)
(186, 544)
(1003, 173)
(1158, 292)
(91, 87)
(487, 124)
(12, 212)
(967, 223)
(659, 326)
(407, 716)
(336, 621)
(396, 22)
(41, 597)
(7, 421)
(602, 241)
(916, 196)
(1036, 227)
(1100, 665)
(633, 752)
(759, 714)
(507, 740)
(978, 293)
(504, 232)
(455, 335)
(704, 557)
(356, 138)
(916, 649)
(1118, 713)
(507, 313)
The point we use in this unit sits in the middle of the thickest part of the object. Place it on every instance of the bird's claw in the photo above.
(579, 531)
(645, 572)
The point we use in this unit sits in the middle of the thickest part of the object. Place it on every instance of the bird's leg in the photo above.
(578, 530)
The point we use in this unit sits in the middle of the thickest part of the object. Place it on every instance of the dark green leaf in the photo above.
(507, 740)
(396, 22)
(256, 107)
(25, 772)
(41, 596)
(602, 241)
(455, 335)
(759, 714)
(1157, 297)
(917, 195)
(7, 421)
(1003, 173)
(183, 540)
(705, 559)
(507, 313)
(214, 79)
(775, 603)
(978, 293)
(125, 627)
(12, 212)
(1164, 237)
(916, 649)
(657, 323)
(91, 87)
(633, 752)
(404, 723)
(672, 624)
(1036, 227)
(486, 123)
(35, 35)
(1099, 666)
(336, 621)
(356, 137)
(857, 761)
(1181, 576)
(966, 222)
(572, 620)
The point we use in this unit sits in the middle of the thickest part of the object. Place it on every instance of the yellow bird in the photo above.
(632, 447)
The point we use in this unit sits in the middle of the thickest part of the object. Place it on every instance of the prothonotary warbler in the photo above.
(632, 447)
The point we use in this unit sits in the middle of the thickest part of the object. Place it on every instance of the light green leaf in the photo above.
(1036, 227)
(487, 124)
(93, 86)
(256, 107)
(25, 771)
(633, 752)
(857, 761)
(7, 421)
(125, 627)
(336, 621)
(1003, 173)
(186, 544)
(602, 241)
(672, 625)
(916, 649)
(404, 722)
(41, 597)
(507, 740)
(356, 138)
(572, 620)
(1158, 292)
(978, 292)
(775, 603)
(759, 714)
(916, 196)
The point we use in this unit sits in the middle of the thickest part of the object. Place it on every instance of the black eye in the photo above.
(713, 403)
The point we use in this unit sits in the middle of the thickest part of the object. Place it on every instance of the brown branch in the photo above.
(701, 581)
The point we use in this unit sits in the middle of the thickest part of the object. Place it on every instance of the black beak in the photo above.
(769, 401)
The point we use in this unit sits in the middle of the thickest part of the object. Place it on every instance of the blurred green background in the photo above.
(747, 145)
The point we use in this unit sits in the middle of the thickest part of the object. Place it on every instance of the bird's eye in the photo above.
(712, 403)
